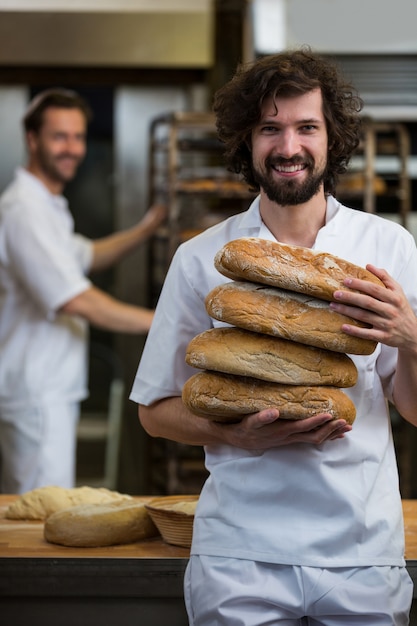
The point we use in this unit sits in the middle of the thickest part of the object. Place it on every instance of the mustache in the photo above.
(67, 155)
(273, 161)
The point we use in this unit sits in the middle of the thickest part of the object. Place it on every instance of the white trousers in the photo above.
(37, 447)
(235, 592)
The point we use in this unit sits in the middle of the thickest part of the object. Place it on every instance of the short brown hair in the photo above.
(57, 98)
(238, 105)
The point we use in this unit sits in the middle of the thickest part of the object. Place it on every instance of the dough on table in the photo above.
(39, 503)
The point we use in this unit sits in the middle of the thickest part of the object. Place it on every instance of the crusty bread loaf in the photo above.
(245, 353)
(295, 268)
(285, 314)
(94, 525)
(225, 397)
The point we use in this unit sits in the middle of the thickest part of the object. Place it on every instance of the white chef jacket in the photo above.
(336, 504)
(42, 266)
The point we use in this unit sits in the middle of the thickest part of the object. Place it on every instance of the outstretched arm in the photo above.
(112, 249)
(104, 311)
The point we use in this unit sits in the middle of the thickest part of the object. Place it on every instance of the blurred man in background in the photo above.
(47, 301)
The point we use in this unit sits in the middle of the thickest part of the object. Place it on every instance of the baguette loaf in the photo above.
(227, 398)
(294, 268)
(245, 353)
(284, 314)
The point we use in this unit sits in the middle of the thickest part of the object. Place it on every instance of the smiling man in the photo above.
(299, 522)
(47, 300)
(289, 151)
(58, 146)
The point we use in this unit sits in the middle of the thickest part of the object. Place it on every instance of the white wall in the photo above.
(353, 26)
(13, 102)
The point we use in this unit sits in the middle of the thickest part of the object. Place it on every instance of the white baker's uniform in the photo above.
(332, 505)
(43, 366)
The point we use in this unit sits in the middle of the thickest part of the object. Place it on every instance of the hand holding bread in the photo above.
(285, 314)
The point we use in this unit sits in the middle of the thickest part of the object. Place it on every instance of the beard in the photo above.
(51, 166)
(289, 192)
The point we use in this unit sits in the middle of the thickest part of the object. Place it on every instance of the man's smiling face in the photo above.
(59, 147)
(289, 148)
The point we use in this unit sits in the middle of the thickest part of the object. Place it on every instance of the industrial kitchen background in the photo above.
(149, 69)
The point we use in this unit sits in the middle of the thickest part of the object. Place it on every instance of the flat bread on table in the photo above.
(99, 525)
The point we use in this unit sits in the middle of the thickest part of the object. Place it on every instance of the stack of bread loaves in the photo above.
(284, 346)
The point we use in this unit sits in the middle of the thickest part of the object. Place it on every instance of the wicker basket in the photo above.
(176, 527)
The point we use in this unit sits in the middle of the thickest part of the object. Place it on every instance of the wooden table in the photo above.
(137, 584)
(42, 584)
(410, 525)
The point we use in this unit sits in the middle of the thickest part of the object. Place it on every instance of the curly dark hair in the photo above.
(237, 106)
(53, 98)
